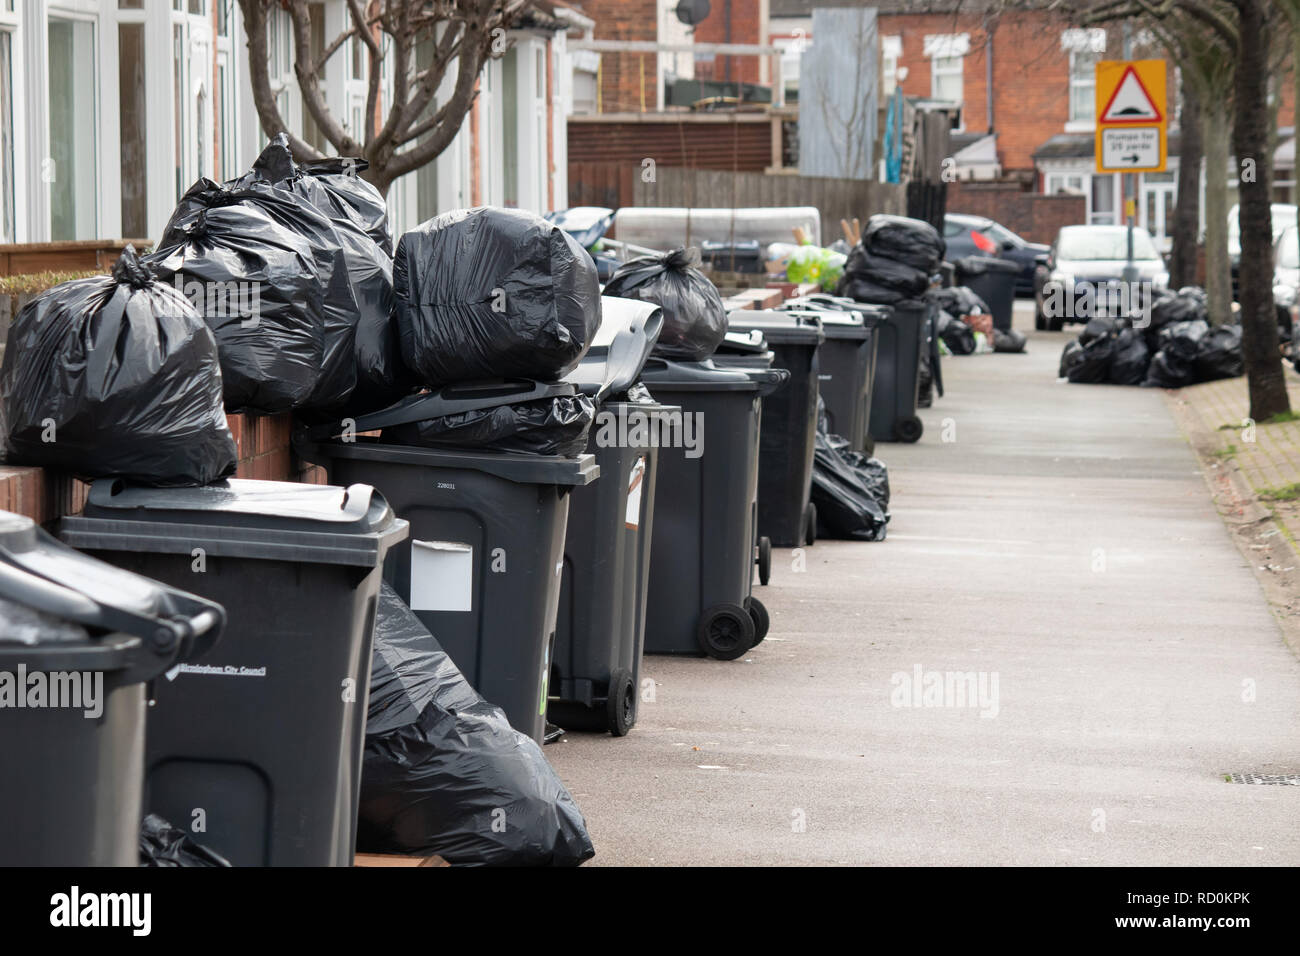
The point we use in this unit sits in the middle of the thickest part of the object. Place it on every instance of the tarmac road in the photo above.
(1062, 548)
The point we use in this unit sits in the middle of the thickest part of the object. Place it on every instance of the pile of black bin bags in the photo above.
(1177, 347)
(893, 262)
(278, 292)
(850, 489)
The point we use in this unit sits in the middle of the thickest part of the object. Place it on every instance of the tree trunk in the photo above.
(1268, 396)
(1218, 270)
(1187, 214)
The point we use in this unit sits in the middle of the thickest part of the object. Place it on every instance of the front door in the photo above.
(1157, 211)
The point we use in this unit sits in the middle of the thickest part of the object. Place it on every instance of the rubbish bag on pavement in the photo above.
(1218, 354)
(443, 770)
(913, 242)
(1099, 327)
(257, 285)
(1071, 356)
(1170, 370)
(1093, 364)
(1183, 338)
(117, 376)
(1008, 340)
(163, 845)
(959, 300)
(545, 426)
(1187, 303)
(695, 321)
(956, 334)
(1130, 358)
(851, 493)
(493, 293)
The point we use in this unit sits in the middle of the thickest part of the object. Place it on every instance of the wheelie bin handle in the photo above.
(196, 632)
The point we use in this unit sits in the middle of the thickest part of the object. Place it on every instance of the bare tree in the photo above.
(413, 42)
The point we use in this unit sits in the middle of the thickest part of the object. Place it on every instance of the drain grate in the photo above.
(1283, 779)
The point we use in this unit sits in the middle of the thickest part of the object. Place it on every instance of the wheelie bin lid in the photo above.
(705, 376)
(63, 610)
(981, 265)
(628, 332)
(778, 328)
(749, 342)
(240, 517)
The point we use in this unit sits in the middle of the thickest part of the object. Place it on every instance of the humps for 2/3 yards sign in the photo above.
(1131, 116)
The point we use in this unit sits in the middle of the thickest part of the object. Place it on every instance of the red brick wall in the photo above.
(745, 25)
(622, 82)
(1030, 215)
(264, 452)
(1031, 74)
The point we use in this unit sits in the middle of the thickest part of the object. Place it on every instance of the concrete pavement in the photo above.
(1062, 548)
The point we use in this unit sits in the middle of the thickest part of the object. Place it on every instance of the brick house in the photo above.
(1026, 78)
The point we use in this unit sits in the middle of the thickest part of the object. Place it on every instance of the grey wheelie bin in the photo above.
(600, 629)
(701, 561)
(785, 460)
(994, 281)
(88, 637)
(482, 567)
(256, 750)
(898, 365)
(847, 361)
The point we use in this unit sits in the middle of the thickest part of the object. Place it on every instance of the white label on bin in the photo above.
(635, 483)
(442, 576)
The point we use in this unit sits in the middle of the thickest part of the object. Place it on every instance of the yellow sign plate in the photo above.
(1132, 118)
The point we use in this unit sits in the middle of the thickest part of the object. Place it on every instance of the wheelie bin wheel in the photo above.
(908, 429)
(810, 525)
(764, 560)
(725, 632)
(758, 611)
(620, 705)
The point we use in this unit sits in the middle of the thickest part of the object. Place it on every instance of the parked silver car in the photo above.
(1083, 275)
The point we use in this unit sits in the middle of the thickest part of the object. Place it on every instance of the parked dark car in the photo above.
(978, 236)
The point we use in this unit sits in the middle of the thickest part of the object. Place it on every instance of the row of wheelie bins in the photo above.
(238, 617)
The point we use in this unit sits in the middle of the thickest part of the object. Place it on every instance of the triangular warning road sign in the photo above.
(1131, 103)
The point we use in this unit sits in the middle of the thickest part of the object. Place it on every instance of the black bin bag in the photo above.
(695, 322)
(913, 242)
(359, 338)
(1218, 354)
(493, 293)
(163, 845)
(352, 197)
(443, 770)
(116, 376)
(1130, 359)
(257, 285)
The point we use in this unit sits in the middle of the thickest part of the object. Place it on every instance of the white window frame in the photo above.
(891, 52)
(948, 46)
(11, 24)
(106, 208)
(1074, 42)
